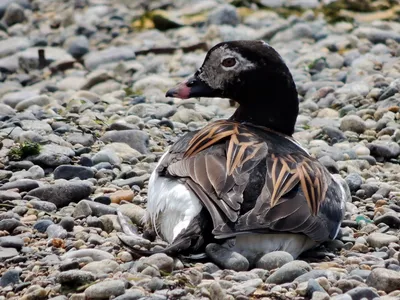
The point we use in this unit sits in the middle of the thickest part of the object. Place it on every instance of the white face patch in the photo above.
(216, 75)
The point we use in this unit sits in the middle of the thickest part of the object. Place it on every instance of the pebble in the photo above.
(75, 278)
(274, 260)
(69, 172)
(384, 280)
(99, 268)
(379, 240)
(289, 271)
(105, 289)
(10, 277)
(226, 258)
(63, 193)
(11, 242)
(94, 254)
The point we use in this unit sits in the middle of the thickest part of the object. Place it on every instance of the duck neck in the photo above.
(280, 116)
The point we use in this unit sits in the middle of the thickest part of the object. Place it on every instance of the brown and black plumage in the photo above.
(244, 177)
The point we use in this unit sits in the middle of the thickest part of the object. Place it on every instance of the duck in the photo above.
(243, 183)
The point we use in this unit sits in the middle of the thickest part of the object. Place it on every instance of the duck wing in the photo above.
(223, 162)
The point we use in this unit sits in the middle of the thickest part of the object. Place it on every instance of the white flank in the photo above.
(171, 206)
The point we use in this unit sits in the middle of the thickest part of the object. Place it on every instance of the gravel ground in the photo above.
(84, 119)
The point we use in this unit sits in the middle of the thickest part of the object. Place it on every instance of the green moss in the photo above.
(24, 150)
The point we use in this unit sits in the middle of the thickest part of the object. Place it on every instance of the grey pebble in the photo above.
(62, 194)
(75, 277)
(105, 289)
(227, 258)
(274, 260)
(289, 272)
(70, 172)
(11, 242)
(10, 277)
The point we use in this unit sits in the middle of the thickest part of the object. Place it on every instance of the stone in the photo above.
(354, 181)
(360, 293)
(23, 185)
(56, 231)
(105, 289)
(41, 100)
(67, 223)
(42, 225)
(106, 156)
(11, 242)
(227, 258)
(379, 240)
(288, 272)
(75, 277)
(136, 139)
(94, 59)
(161, 261)
(52, 155)
(102, 267)
(6, 253)
(77, 46)
(9, 224)
(384, 280)
(353, 123)
(274, 260)
(43, 205)
(13, 45)
(62, 194)
(83, 139)
(69, 172)
(90, 208)
(224, 15)
(29, 58)
(95, 254)
(10, 277)
(14, 14)
(134, 212)
(132, 295)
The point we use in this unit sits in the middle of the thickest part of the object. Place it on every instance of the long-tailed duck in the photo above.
(244, 182)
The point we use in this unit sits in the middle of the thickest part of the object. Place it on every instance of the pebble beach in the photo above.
(84, 120)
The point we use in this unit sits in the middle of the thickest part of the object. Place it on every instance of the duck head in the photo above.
(251, 73)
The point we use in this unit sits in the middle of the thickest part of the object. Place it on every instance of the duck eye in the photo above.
(229, 62)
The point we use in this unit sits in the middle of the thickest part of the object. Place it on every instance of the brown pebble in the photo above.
(118, 196)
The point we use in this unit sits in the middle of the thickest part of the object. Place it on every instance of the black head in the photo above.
(253, 74)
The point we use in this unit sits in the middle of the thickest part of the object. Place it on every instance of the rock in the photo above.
(14, 14)
(136, 139)
(289, 271)
(124, 151)
(102, 267)
(62, 194)
(390, 219)
(392, 89)
(41, 100)
(359, 293)
(121, 195)
(385, 150)
(354, 181)
(42, 225)
(352, 123)
(274, 260)
(384, 280)
(87, 208)
(9, 224)
(376, 35)
(29, 58)
(10, 277)
(77, 46)
(107, 155)
(224, 15)
(105, 289)
(110, 55)
(95, 254)
(11, 242)
(43, 205)
(134, 212)
(329, 163)
(75, 277)
(13, 44)
(70, 172)
(56, 231)
(80, 138)
(13, 98)
(9, 195)
(52, 155)
(6, 253)
(379, 240)
(313, 286)
(67, 223)
(226, 258)
(161, 261)
(131, 295)
(313, 274)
